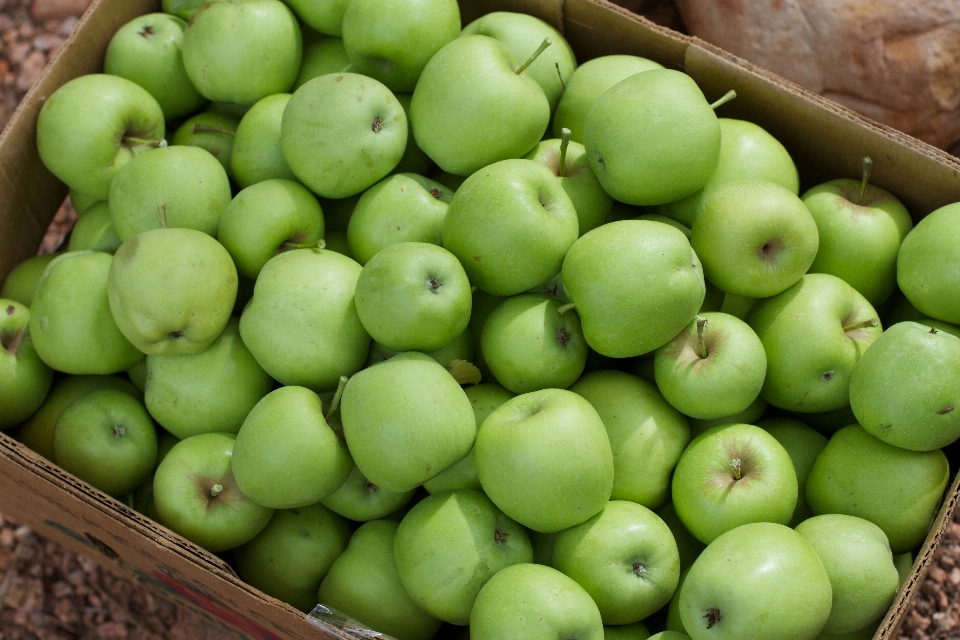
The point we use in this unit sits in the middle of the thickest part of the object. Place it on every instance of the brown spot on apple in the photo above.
(713, 616)
(10, 310)
(945, 410)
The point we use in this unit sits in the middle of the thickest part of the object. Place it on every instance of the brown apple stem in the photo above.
(563, 309)
(727, 97)
(14, 343)
(564, 143)
(701, 326)
(207, 128)
(737, 471)
(536, 54)
(563, 84)
(866, 324)
(335, 402)
(319, 244)
(215, 490)
(144, 142)
(867, 168)
(162, 210)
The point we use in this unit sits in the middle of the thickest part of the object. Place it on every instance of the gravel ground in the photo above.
(49, 593)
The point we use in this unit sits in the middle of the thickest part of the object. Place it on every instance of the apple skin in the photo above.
(290, 557)
(286, 454)
(24, 378)
(324, 56)
(92, 126)
(906, 387)
(211, 130)
(257, 153)
(460, 348)
(171, 291)
(242, 51)
(856, 555)
(810, 358)
(405, 420)
(750, 415)
(106, 438)
(360, 500)
(21, 283)
(468, 90)
(534, 602)
(647, 435)
(858, 242)
(639, 301)
(635, 631)
(687, 545)
(302, 324)
(898, 490)
(71, 325)
(754, 237)
(625, 557)
(364, 584)
(183, 489)
(449, 545)
(587, 83)
(783, 590)
(709, 497)
(414, 159)
(325, 17)
(147, 50)
(94, 231)
(927, 264)
(544, 458)
(804, 445)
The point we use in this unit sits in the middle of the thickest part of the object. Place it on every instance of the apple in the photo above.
(926, 266)
(414, 159)
(750, 415)
(687, 545)
(361, 501)
(211, 130)
(635, 631)
(804, 445)
(460, 348)
(94, 231)
(24, 378)
(324, 56)
(325, 17)
(257, 153)
(21, 283)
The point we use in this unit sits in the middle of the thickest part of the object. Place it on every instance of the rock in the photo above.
(896, 61)
(30, 70)
(43, 10)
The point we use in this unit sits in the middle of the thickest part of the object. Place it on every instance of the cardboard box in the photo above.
(825, 140)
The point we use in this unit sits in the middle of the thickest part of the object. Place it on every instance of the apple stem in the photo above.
(536, 54)
(14, 344)
(737, 471)
(701, 326)
(207, 128)
(319, 244)
(867, 168)
(335, 402)
(215, 490)
(133, 141)
(563, 309)
(727, 97)
(560, 75)
(866, 324)
(162, 210)
(564, 143)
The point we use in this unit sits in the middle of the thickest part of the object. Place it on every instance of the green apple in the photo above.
(652, 138)
(713, 368)
(636, 284)
(687, 544)
(635, 631)
(326, 17)
(257, 153)
(211, 130)
(588, 82)
(81, 202)
(242, 51)
(522, 34)
(755, 238)
(625, 557)
(906, 387)
(106, 438)
(750, 415)
(24, 378)
(37, 432)
(207, 392)
(92, 126)
(147, 50)
(529, 345)
(171, 291)
(302, 324)
(814, 334)
(647, 435)
(392, 40)
(857, 558)
(360, 500)
(735, 305)
(460, 348)
(926, 265)
(544, 458)
(267, 218)
(414, 159)
(364, 584)
(483, 305)
(183, 9)
(287, 455)
(196, 495)
(449, 545)
(413, 296)
(669, 635)
(21, 283)
(730, 476)
(804, 445)
(510, 224)
(782, 589)
(324, 56)
(747, 152)
(173, 187)
(405, 421)
(533, 602)
(475, 105)
(898, 490)
(71, 324)
(94, 231)
(290, 557)
(403, 207)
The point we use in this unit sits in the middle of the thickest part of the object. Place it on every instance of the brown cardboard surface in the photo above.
(826, 140)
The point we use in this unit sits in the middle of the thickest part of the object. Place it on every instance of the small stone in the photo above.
(66, 27)
(19, 52)
(43, 10)
(30, 70)
(6, 22)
